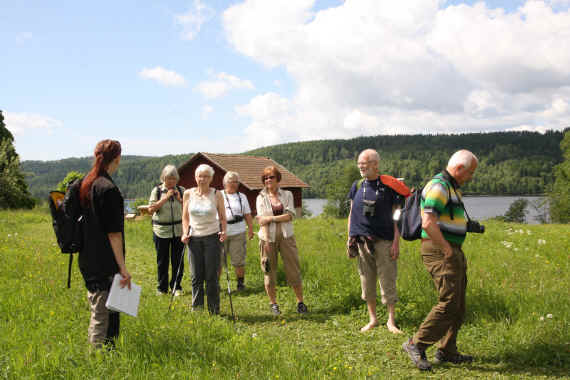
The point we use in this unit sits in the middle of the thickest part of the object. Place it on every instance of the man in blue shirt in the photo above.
(371, 228)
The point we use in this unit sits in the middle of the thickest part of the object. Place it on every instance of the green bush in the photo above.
(517, 211)
(68, 180)
(560, 194)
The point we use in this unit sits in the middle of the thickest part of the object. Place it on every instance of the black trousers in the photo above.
(204, 265)
(168, 251)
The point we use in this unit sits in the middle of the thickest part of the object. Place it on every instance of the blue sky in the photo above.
(226, 76)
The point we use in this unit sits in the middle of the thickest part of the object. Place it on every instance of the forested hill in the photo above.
(136, 175)
(510, 162)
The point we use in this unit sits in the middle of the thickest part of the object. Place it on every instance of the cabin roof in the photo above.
(249, 168)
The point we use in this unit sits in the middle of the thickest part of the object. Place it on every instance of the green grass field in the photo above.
(517, 323)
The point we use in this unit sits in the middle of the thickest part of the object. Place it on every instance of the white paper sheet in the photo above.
(122, 299)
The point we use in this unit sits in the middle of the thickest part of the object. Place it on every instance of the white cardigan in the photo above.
(263, 206)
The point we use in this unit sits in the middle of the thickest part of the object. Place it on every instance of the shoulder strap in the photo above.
(158, 192)
(240, 204)
(448, 185)
(359, 183)
(229, 205)
(180, 191)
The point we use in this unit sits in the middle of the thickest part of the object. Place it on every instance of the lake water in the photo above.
(479, 208)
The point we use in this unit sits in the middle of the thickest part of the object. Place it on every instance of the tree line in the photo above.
(511, 163)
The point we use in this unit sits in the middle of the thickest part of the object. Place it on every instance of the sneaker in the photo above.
(418, 356)
(457, 358)
(275, 309)
(302, 308)
(160, 292)
(178, 292)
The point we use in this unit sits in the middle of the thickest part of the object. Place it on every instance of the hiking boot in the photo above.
(302, 308)
(457, 358)
(178, 292)
(275, 309)
(418, 356)
(160, 292)
(240, 284)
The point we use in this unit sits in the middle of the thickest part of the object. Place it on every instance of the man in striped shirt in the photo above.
(444, 227)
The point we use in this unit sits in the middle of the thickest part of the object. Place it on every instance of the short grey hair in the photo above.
(204, 168)
(462, 157)
(372, 153)
(169, 171)
(230, 175)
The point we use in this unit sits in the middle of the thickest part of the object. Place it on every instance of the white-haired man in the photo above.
(372, 229)
(444, 228)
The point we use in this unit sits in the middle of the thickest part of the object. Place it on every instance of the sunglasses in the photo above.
(268, 177)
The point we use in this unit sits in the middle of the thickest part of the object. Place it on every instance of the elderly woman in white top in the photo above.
(203, 215)
(238, 213)
(275, 211)
(166, 208)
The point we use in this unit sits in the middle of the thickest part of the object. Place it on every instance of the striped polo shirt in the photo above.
(440, 197)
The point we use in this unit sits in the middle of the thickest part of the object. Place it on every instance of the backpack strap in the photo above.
(158, 192)
(448, 185)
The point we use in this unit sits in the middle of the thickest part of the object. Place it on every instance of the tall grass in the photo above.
(517, 315)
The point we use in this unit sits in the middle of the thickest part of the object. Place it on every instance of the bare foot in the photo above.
(369, 326)
(393, 329)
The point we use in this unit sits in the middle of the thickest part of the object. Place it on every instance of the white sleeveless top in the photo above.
(203, 213)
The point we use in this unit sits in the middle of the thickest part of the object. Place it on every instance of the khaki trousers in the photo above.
(443, 322)
(236, 247)
(378, 267)
(287, 247)
(104, 324)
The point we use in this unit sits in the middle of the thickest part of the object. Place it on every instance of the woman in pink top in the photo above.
(203, 215)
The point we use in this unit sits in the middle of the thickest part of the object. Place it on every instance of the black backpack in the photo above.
(410, 222)
(67, 220)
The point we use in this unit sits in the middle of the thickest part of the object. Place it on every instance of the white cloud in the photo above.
(221, 84)
(191, 22)
(20, 123)
(206, 111)
(529, 128)
(163, 76)
(416, 66)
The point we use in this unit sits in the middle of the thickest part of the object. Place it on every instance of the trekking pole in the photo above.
(176, 278)
(69, 270)
(228, 278)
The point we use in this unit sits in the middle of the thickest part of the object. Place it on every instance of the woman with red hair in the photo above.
(103, 252)
(275, 212)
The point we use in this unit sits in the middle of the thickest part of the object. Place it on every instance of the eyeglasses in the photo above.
(268, 177)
